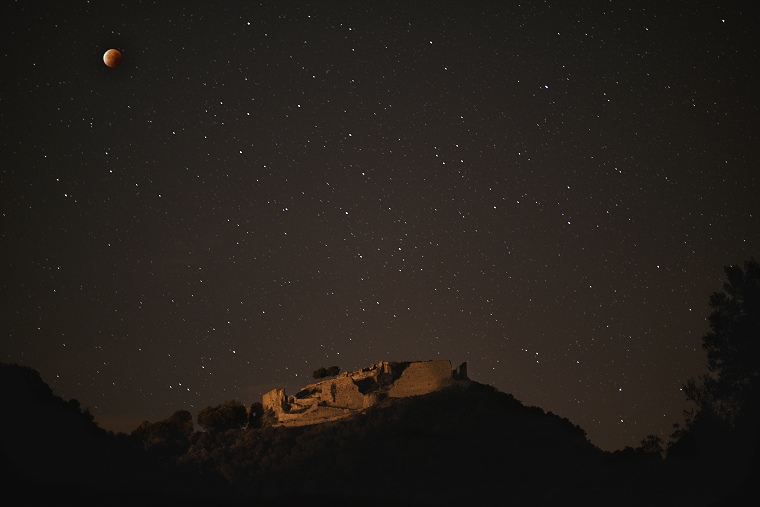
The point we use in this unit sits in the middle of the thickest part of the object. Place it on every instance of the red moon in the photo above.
(112, 58)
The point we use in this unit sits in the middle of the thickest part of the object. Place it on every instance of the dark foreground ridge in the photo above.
(467, 444)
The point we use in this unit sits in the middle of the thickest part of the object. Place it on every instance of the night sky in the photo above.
(547, 190)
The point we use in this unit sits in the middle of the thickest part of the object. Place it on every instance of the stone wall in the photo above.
(351, 392)
(460, 372)
(422, 378)
(315, 414)
(274, 400)
(342, 392)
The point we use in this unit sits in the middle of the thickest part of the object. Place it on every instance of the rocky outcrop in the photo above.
(352, 392)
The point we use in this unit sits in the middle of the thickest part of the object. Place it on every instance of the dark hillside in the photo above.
(43, 435)
(466, 445)
(52, 450)
(454, 446)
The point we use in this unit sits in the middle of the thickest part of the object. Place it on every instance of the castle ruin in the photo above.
(354, 391)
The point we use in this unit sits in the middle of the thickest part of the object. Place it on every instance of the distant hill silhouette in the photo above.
(466, 445)
(51, 450)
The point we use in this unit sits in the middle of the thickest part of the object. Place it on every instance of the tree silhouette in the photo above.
(168, 437)
(229, 415)
(651, 446)
(732, 346)
(726, 414)
(255, 413)
(326, 372)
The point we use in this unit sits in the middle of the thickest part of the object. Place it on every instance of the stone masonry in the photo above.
(352, 392)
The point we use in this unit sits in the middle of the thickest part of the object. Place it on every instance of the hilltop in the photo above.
(462, 444)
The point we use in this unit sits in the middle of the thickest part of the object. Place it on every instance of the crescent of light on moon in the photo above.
(112, 58)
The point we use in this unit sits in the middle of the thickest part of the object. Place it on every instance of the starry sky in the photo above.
(548, 190)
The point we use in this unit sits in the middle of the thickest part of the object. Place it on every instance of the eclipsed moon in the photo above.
(112, 58)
